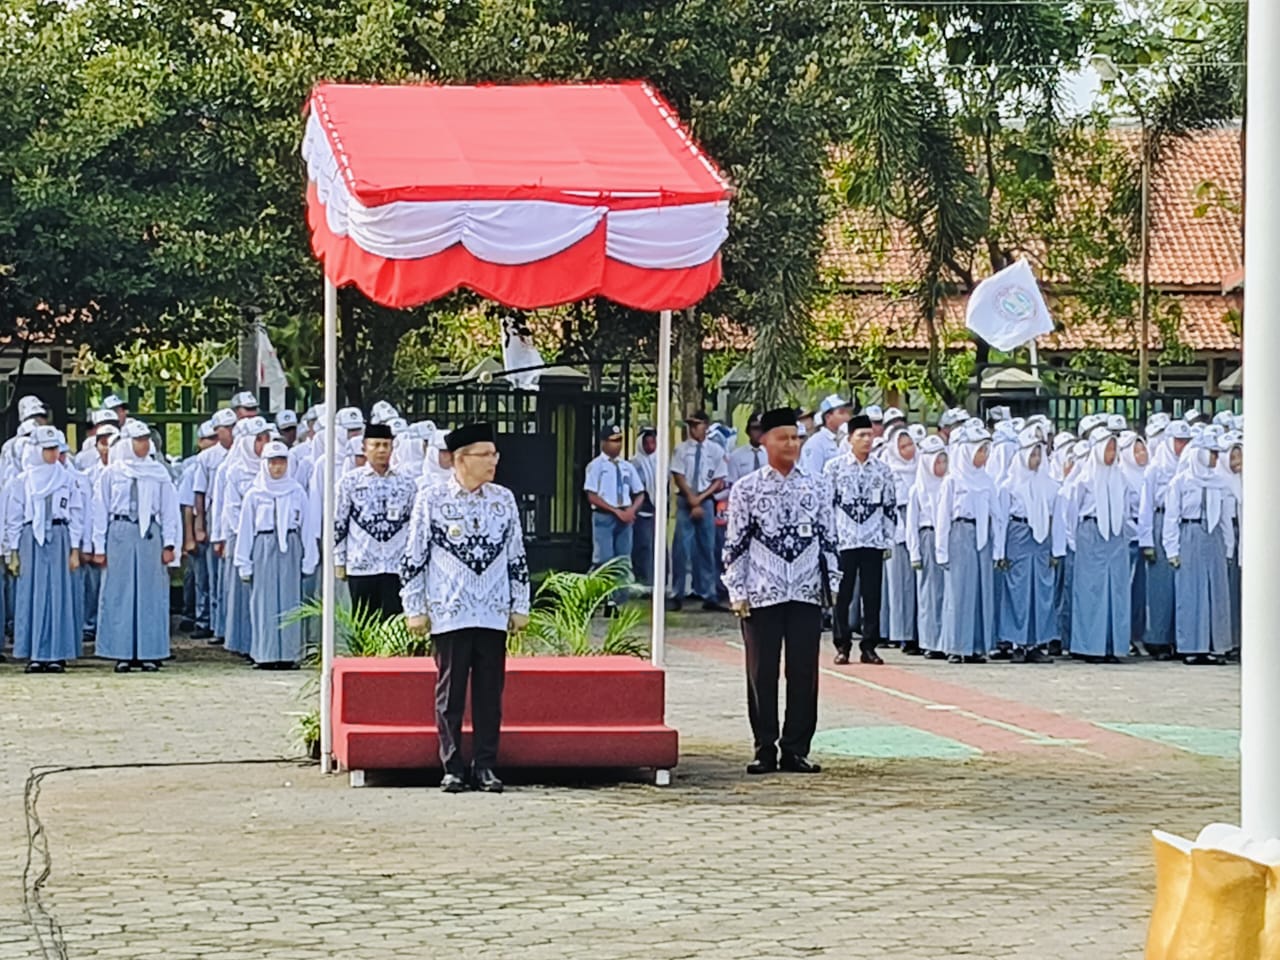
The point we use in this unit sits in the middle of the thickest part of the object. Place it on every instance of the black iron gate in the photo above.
(546, 438)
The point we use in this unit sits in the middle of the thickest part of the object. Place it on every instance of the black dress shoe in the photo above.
(1202, 660)
(1002, 654)
(870, 656)
(217, 641)
(201, 633)
(759, 766)
(1055, 648)
(955, 658)
(1035, 655)
(452, 783)
(150, 666)
(934, 655)
(1019, 655)
(912, 649)
(58, 666)
(34, 667)
(486, 781)
(1110, 658)
(842, 657)
(975, 658)
(791, 764)
(123, 667)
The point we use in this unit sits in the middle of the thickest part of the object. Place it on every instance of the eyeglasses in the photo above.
(493, 455)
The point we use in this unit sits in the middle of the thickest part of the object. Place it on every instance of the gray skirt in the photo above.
(968, 608)
(276, 591)
(44, 627)
(133, 601)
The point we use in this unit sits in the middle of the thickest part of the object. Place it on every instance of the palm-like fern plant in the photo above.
(560, 621)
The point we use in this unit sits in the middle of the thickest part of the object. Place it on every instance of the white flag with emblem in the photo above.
(519, 353)
(1007, 309)
(270, 371)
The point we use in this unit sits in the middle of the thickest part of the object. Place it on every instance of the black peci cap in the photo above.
(377, 431)
(466, 435)
(782, 417)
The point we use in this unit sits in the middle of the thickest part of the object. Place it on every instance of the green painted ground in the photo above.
(890, 742)
(1206, 741)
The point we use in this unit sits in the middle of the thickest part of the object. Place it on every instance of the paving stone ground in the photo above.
(1033, 845)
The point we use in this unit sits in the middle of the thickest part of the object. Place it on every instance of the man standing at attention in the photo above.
(866, 514)
(780, 536)
(824, 445)
(614, 491)
(698, 468)
(371, 521)
(465, 578)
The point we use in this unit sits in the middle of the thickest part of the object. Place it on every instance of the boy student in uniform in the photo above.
(615, 492)
(698, 469)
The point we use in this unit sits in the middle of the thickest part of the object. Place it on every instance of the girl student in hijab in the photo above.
(899, 610)
(1074, 453)
(922, 509)
(1231, 466)
(1027, 496)
(83, 487)
(43, 530)
(275, 547)
(236, 474)
(136, 532)
(1133, 466)
(1195, 543)
(1166, 452)
(963, 546)
(1095, 511)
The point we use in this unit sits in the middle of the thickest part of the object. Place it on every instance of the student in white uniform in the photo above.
(645, 463)
(614, 491)
(922, 508)
(1024, 550)
(826, 443)
(698, 469)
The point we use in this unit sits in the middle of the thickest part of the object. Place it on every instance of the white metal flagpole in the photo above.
(662, 483)
(1260, 556)
(328, 579)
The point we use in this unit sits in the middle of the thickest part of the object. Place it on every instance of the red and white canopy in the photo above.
(531, 195)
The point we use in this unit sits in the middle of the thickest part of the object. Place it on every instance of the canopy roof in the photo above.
(531, 195)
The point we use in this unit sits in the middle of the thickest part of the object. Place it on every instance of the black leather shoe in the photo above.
(955, 658)
(58, 666)
(1110, 658)
(976, 658)
(452, 783)
(912, 649)
(150, 666)
(486, 781)
(870, 656)
(1002, 654)
(34, 667)
(760, 766)
(934, 655)
(123, 667)
(799, 764)
(217, 641)
(842, 657)
(1035, 655)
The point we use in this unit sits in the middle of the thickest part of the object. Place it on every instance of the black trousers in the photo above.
(797, 627)
(379, 591)
(480, 655)
(862, 569)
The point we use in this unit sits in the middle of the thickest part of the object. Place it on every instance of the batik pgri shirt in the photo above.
(779, 536)
(371, 521)
(865, 504)
(465, 565)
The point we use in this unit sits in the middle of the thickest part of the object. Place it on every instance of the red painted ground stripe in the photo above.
(944, 723)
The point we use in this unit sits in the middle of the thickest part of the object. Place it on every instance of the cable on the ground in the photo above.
(47, 929)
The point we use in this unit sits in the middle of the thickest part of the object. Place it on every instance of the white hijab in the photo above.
(975, 480)
(1195, 472)
(926, 485)
(282, 493)
(904, 471)
(1107, 484)
(1034, 488)
(147, 474)
(1134, 474)
(41, 480)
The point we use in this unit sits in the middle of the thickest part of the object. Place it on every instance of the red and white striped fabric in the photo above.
(530, 195)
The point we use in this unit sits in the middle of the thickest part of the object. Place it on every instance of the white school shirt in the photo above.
(709, 466)
(258, 515)
(66, 505)
(613, 481)
(745, 460)
(116, 497)
(646, 467)
(819, 450)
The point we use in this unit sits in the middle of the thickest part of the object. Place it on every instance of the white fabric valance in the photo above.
(511, 232)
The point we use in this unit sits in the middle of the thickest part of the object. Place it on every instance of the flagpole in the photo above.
(1035, 363)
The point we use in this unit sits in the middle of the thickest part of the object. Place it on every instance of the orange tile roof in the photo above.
(1206, 325)
(1195, 235)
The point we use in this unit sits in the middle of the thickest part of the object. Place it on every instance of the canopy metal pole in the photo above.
(662, 483)
(1260, 543)
(328, 579)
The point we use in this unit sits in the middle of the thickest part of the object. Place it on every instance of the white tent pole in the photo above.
(328, 580)
(662, 483)
(1035, 363)
(1260, 647)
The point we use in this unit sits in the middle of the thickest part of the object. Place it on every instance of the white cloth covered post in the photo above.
(328, 580)
(662, 483)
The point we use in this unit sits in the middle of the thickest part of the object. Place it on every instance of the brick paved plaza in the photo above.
(993, 811)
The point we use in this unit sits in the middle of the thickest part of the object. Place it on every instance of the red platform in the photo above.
(556, 712)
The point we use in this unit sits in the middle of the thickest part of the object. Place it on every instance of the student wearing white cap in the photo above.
(1159, 615)
(43, 531)
(235, 475)
(1027, 496)
(698, 469)
(614, 490)
(825, 444)
(875, 414)
(118, 406)
(383, 412)
(922, 509)
(287, 423)
(88, 454)
(92, 573)
(245, 404)
(949, 420)
(1100, 593)
(204, 510)
(645, 464)
(275, 548)
(136, 533)
(898, 612)
(31, 414)
(1195, 543)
